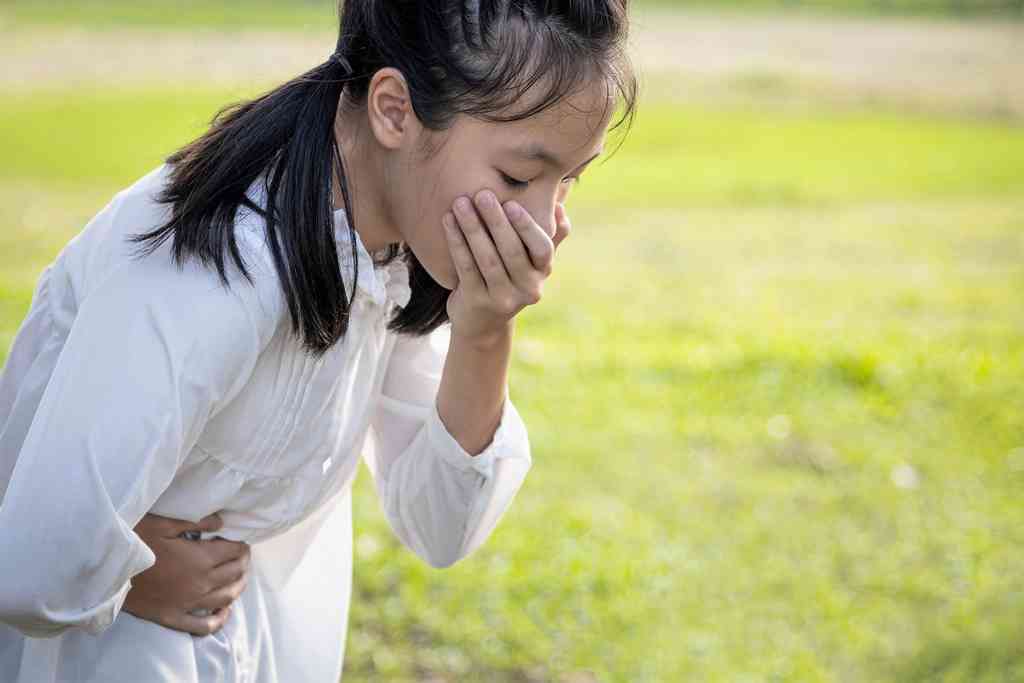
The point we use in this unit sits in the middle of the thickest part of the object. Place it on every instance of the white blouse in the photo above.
(133, 387)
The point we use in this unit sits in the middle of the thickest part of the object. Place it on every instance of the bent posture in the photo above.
(330, 273)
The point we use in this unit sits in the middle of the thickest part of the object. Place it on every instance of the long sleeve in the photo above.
(439, 500)
(153, 353)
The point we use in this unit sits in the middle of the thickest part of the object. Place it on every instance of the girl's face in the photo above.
(533, 161)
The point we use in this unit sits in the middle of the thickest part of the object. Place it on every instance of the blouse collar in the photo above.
(380, 282)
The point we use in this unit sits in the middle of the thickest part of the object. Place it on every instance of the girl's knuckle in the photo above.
(207, 561)
(489, 263)
(514, 257)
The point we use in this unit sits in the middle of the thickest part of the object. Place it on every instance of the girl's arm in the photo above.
(152, 354)
(441, 501)
(502, 257)
(445, 482)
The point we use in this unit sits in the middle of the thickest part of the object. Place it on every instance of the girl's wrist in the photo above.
(485, 340)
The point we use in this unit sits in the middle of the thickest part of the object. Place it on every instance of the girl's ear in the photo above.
(389, 109)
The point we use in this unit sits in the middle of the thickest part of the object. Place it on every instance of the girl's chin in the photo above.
(448, 278)
(449, 284)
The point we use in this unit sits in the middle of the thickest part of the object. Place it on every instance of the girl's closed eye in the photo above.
(514, 183)
(517, 184)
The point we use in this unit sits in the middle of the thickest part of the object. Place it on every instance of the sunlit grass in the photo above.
(773, 393)
(184, 15)
(675, 155)
(231, 15)
(680, 155)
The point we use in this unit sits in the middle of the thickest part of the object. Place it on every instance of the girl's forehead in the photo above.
(572, 125)
(590, 105)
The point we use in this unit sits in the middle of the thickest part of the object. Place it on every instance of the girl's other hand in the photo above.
(502, 257)
(188, 575)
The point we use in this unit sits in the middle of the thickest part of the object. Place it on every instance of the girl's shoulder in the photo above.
(103, 251)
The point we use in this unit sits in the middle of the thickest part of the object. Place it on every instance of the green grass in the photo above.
(686, 155)
(773, 393)
(675, 156)
(719, 402)
(185, 15)
(99, 140)
(955, 9)
(307, 15)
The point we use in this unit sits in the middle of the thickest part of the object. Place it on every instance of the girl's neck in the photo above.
(365, 176)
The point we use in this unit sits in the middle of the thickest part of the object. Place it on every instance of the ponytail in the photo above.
(287, 134)
(459, 57)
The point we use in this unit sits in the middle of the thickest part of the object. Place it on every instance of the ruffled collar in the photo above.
(381, 283)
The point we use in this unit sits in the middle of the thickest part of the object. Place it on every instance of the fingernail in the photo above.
(485, 197)
(463, 203)
(513, 210)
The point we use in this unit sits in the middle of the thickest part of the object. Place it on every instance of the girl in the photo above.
(391, 211)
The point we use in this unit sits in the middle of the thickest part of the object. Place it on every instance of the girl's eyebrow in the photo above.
(541, 153)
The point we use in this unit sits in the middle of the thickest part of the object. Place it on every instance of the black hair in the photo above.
(457, 57)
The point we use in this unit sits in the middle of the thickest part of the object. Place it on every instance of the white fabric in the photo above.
(132, 386)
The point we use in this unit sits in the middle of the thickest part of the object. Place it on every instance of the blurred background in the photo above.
(775, 387)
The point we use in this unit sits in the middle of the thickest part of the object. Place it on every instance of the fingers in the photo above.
(510, 246)
(482, 247)
(156, 526)
(541, 248)
(169, 527)
(210, 523)
(462, 256)
(197, 625)
(219, 550)
(228, 572)
(223, 596)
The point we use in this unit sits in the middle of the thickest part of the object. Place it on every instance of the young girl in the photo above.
(390, 211)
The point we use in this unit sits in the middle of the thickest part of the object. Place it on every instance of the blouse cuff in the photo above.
(108, 611)
(97, 618)
(104, 614)
(452, 452)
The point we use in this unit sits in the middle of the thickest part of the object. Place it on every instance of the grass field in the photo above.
(310, 14)
(773, 390)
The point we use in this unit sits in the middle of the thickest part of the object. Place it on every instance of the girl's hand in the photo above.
(188, 575)
(502, 257)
